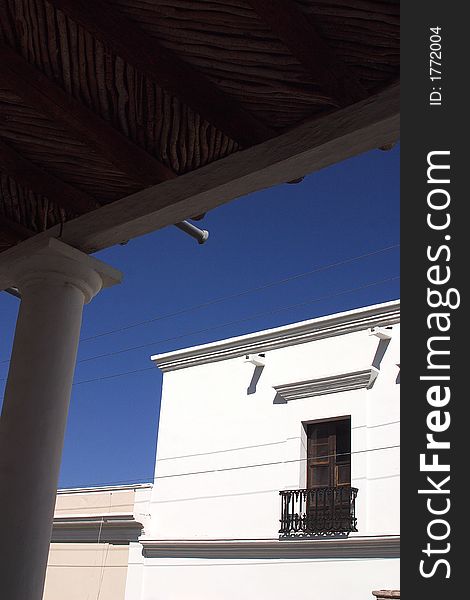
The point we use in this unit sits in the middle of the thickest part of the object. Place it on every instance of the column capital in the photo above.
(50, 260)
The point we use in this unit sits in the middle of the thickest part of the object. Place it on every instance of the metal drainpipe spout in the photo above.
(201, 235)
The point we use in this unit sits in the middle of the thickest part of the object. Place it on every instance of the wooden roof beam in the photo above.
(166, 69)
(43, 94)
(14, 232)
(309, 147)
(301, 37)
(38, 181)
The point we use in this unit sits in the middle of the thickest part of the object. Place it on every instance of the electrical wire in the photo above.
(236, 322)
(235, 295)
(240, 467)
(212, 452)
(105, 557)
(242, 292)
(264, 445)
(105, 377)
(215, 327)
(113, 376)
(269, 464)
(237, 494)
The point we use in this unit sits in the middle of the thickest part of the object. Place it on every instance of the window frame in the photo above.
(305, 462)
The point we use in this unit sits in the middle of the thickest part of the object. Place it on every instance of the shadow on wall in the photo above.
(251, 389)
(278, 399)
(379, 353)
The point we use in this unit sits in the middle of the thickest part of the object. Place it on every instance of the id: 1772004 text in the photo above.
(435, 66)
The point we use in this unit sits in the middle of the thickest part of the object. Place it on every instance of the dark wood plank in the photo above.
(300, 35)
(38, 181)
(39, 91)
(308, 148)
(165, 68)
(14, 232)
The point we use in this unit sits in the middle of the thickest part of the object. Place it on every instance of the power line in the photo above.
(242, 293)
(215, 327)
(269, 464)
(105, 557)
(222, 451)
(264, 445)
(104, 377)
(231, 296)
(236, 494)
(238, 321)
(250, 466)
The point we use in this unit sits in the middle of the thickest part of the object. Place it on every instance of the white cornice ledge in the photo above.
(379, 315)
(344, 382)
(354, 547)
(105, 488)
(117, 529)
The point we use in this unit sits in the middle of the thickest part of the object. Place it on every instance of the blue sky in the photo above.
(345, 211)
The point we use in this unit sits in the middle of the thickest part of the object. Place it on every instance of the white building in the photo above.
(247, 422)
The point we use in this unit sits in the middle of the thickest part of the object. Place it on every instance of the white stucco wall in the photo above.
(209, 422)
(203, 579)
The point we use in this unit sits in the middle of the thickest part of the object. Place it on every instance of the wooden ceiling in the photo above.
(100, 99)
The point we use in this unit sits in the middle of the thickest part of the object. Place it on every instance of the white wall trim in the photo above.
(382, 315)
(104, 488)
(343, 382)
(354, 547)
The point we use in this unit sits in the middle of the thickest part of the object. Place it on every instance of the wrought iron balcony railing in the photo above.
(319, 511)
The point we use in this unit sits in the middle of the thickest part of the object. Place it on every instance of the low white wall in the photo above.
(204, 579)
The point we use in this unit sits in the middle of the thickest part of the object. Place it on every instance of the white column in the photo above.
(54, 281)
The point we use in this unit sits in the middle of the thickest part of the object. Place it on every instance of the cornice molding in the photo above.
(353, 547)
(116, 529)
(379, 315)
(343, 382)
(104, 488)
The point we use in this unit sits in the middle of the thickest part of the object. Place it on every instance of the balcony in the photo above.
(321, 511)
